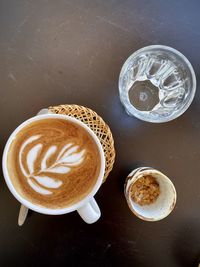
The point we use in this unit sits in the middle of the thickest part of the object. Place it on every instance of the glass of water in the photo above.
(157, 84)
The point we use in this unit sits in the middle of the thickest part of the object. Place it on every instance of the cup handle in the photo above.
(90, 212)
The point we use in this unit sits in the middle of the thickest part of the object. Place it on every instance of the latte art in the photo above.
(65, 160)
(54, 162)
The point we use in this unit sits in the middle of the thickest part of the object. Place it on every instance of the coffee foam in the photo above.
(53, 162)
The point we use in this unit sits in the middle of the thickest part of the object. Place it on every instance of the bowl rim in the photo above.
(140, 172)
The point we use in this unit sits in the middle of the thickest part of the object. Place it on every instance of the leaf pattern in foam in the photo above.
(66, 159)
(27, 142)
(50, 151)
(63, 150)
(68, 152)
(48, 182)
(31, 157)
(70, 157)
(38, 188)
(59, 169)
(73, 159)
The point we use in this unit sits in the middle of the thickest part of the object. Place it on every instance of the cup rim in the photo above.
(188, 64)
(148, 170)
(36, 207)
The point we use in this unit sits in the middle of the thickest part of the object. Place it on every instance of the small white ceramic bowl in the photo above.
(163, 205)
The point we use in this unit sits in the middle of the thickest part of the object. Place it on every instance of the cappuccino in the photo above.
(53, 163)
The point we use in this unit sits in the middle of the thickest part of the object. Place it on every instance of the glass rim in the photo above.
(137, 113)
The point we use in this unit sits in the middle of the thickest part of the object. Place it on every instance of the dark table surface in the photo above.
(54, 52)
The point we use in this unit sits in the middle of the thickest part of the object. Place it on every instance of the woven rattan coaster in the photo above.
(97, 125)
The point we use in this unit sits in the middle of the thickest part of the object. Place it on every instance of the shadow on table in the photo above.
(186, 247)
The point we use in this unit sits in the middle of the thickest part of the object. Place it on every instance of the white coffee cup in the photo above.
(87, 208)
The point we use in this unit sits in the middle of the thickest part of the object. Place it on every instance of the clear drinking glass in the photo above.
(157, 84)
